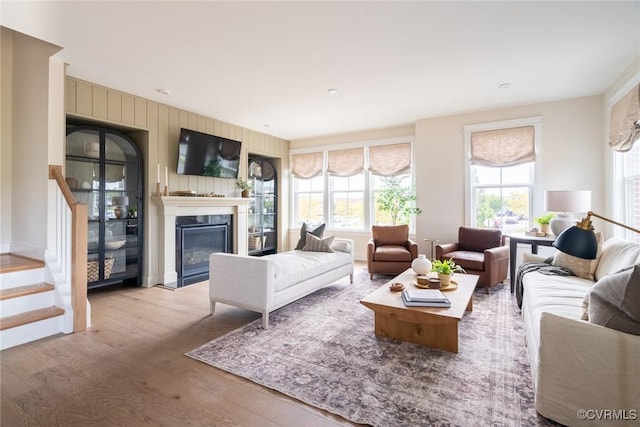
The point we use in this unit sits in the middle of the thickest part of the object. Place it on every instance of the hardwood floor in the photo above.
(129, 369)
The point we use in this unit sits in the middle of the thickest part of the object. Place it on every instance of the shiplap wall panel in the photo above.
(114, 106)
(99, 102)
(70, 96)
(84, 99)
(128, 110)
(140, 112)
(161, 124)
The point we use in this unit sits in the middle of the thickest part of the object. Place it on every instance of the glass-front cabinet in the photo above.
(263, 212)
(104, 170)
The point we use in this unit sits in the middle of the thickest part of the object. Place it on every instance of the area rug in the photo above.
(322, 351)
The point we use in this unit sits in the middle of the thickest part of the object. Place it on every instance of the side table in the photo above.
(534, 241)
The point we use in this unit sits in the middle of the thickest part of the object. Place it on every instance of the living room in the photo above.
(572, 151)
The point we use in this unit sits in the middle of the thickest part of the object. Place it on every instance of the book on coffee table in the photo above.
(425, 295)
(409, 302)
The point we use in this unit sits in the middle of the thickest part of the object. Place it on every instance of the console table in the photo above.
(534, 241)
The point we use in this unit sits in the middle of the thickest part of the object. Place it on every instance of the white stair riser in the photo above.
(30, 332)
(19, 278)
(26, 303)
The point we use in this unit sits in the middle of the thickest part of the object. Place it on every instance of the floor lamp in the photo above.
(580, 240)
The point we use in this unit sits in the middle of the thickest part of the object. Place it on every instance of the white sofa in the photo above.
(264, 284)
(577, 365)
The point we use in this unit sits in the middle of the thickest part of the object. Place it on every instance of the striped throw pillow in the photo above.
(315, 244)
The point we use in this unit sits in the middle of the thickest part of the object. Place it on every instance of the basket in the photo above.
(93, 270)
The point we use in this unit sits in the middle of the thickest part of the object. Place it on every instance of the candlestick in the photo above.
(158, 189)
(166, 176)
(158, 180)
(166, 190)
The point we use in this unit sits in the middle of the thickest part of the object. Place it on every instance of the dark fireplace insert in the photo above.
(197, 237)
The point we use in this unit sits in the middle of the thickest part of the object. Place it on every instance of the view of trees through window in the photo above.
(502, 197)
(352, 205)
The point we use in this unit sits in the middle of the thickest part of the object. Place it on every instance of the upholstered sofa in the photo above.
(578, 365)
(264, 284)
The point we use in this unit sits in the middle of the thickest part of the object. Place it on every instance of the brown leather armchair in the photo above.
(390, 251)
(479, 251)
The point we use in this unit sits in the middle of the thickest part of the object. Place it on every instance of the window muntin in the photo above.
(347, 202)
(309, 200)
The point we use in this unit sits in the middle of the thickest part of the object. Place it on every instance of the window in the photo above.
(630, 171)
(346, 192)
(501, 174)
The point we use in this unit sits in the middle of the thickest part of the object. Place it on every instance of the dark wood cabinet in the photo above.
(104, 170)
(263, 211)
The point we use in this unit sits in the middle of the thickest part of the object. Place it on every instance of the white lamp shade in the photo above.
(567, 201)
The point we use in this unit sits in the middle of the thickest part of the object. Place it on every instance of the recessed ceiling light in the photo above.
(266, 125)
(163, 91)
(332, 91)
(506, 85)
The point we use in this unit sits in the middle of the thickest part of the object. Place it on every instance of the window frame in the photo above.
(535, 190)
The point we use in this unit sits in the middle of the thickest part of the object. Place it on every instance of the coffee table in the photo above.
(429, 326)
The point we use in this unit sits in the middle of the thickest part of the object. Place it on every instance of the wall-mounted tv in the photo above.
(207, 155)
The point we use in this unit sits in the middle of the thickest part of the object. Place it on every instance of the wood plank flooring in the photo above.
(129, 369)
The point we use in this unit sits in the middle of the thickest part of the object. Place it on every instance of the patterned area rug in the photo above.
(322, 350)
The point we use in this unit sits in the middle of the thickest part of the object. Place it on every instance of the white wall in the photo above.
(6, 77)
(570, 158)
(28, 136)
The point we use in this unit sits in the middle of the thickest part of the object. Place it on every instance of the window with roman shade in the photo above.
(503, 147)
(306, 165)
(345, 163)
(624, 123)
(501, 174)
(390, 160)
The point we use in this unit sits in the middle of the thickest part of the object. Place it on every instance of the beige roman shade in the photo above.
(624, 124)
(346, 162)
(503, 147)
(390, 160)
(306, 165)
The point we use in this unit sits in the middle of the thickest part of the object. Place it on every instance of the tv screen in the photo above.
(207, 155)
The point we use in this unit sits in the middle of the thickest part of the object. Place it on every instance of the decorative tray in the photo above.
(452, 285)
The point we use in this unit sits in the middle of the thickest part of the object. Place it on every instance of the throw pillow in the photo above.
(315, 244)
(318, 232)
(585, 307)
(614, 301)
(584, 268)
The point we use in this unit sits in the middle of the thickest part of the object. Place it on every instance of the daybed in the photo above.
(577, 365)
(264, 284)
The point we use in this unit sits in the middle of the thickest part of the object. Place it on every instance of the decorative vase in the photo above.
(118, 212)
(246, 193)
(421, 265)
(545, 229)
(445, 280)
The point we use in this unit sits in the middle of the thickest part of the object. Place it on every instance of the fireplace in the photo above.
(197, 237)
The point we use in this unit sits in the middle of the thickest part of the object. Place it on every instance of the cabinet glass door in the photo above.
(103, 170)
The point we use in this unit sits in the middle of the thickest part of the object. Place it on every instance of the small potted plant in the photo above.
(445, 269)
(244, 186)
(544, 220)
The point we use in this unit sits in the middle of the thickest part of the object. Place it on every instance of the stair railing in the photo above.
(78, 241)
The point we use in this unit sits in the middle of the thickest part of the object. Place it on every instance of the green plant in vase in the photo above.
(244, 186)
(445, 268)
(544, 221)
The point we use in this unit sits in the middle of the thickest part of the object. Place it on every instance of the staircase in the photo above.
(27, 303)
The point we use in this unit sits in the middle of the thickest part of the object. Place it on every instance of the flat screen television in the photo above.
(207, 155)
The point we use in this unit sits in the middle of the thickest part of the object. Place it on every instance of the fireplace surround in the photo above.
(172, 207)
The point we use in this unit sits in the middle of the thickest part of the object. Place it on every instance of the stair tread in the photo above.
(30, 317)
(19, 291)
(11, 262)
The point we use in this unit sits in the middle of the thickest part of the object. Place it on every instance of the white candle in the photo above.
(166, 176)
(158, 180)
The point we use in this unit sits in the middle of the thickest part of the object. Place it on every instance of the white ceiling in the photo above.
(271, 63)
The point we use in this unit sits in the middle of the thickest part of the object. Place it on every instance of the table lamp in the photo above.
(580, 240)
(565, 203)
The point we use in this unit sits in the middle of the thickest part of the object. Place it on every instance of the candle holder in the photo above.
(166, 190)
(158, 189)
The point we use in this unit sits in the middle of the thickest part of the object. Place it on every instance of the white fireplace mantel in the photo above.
(171, 207)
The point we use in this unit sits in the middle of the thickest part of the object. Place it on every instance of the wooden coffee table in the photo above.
(429, 326)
